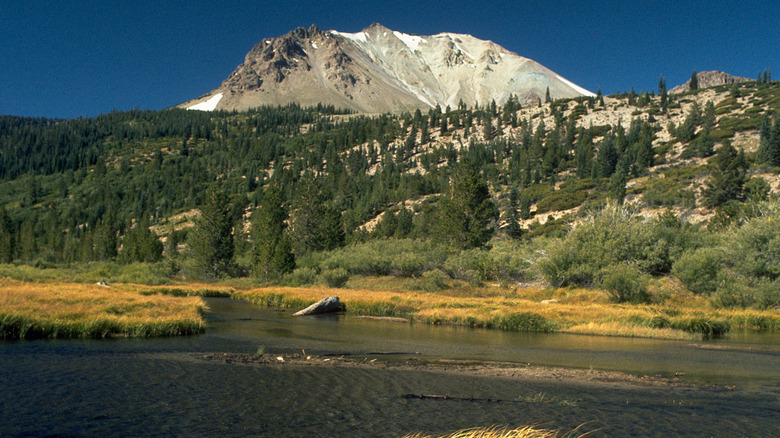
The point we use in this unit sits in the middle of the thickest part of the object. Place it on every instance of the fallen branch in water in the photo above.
(447, 397)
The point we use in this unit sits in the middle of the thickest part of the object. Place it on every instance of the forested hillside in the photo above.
(262, 192)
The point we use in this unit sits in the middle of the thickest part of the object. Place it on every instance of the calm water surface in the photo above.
(162, 387)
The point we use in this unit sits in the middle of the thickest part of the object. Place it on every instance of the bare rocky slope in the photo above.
(380, 70)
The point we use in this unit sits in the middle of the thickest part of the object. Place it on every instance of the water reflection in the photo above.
(745, 359)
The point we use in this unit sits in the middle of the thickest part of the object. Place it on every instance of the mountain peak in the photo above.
(382, 70)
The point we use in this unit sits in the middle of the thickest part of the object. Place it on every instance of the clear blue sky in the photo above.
(83, 58)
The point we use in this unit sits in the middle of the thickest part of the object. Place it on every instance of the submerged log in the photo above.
(326, 305)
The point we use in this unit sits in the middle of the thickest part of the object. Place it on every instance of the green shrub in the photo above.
(738, 291)
(625, 284)
(468, 264)
(300, 277)
(383, 257)
(561, 200)
(335, 277)
(754, 248)
(409, 264)
(613, 236)
(525, 322)
(432, 281)
(698, 269)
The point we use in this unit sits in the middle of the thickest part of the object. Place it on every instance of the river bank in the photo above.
(508, 370)
(681, 316)
(56, 309)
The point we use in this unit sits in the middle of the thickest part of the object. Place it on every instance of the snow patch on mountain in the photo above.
(411, 41)
(576, 87)
(358, 36)
(208, 105)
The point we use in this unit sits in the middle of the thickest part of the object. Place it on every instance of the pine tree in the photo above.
(7, 238)
(315, 223)
(727, 178)
(405, 223)
(467, 214)
(140, 244)
(513, 228)
(617, 185)
(664, 94)
(272, 254)
(608, 157)
(769, 149)
(211, 239)
(694, 82)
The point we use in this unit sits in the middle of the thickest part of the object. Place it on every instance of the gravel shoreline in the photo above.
(475, 368)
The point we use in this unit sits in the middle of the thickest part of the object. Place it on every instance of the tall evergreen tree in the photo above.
(608, 157)
(140, 244)
(727, 178)
(617, 185)
(664, 94)
(211, 238)
(769, 149)
(694, 82)
(272, 254)
(513, 228)
(7, 238)
(467, 214)
(315, 222)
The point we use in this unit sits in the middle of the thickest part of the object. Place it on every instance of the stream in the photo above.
(164, 387)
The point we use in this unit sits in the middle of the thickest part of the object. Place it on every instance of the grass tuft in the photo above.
(501, 432)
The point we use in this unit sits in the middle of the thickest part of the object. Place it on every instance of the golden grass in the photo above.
(578, 311)
(499, 432)
(63, 310)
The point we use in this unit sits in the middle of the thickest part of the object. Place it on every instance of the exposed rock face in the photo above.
(709, 79)
(325, 305)
(380, 70)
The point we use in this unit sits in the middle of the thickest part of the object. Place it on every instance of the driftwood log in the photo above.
(325, 305)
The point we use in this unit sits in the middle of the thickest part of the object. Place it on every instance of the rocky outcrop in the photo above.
(709, 79)
(325, 305)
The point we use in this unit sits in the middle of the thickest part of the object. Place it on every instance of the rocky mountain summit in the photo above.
(381, 70)
(709, 79)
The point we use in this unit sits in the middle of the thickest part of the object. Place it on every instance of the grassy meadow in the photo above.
(682, 315)
(73, 310)
(39, 303)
